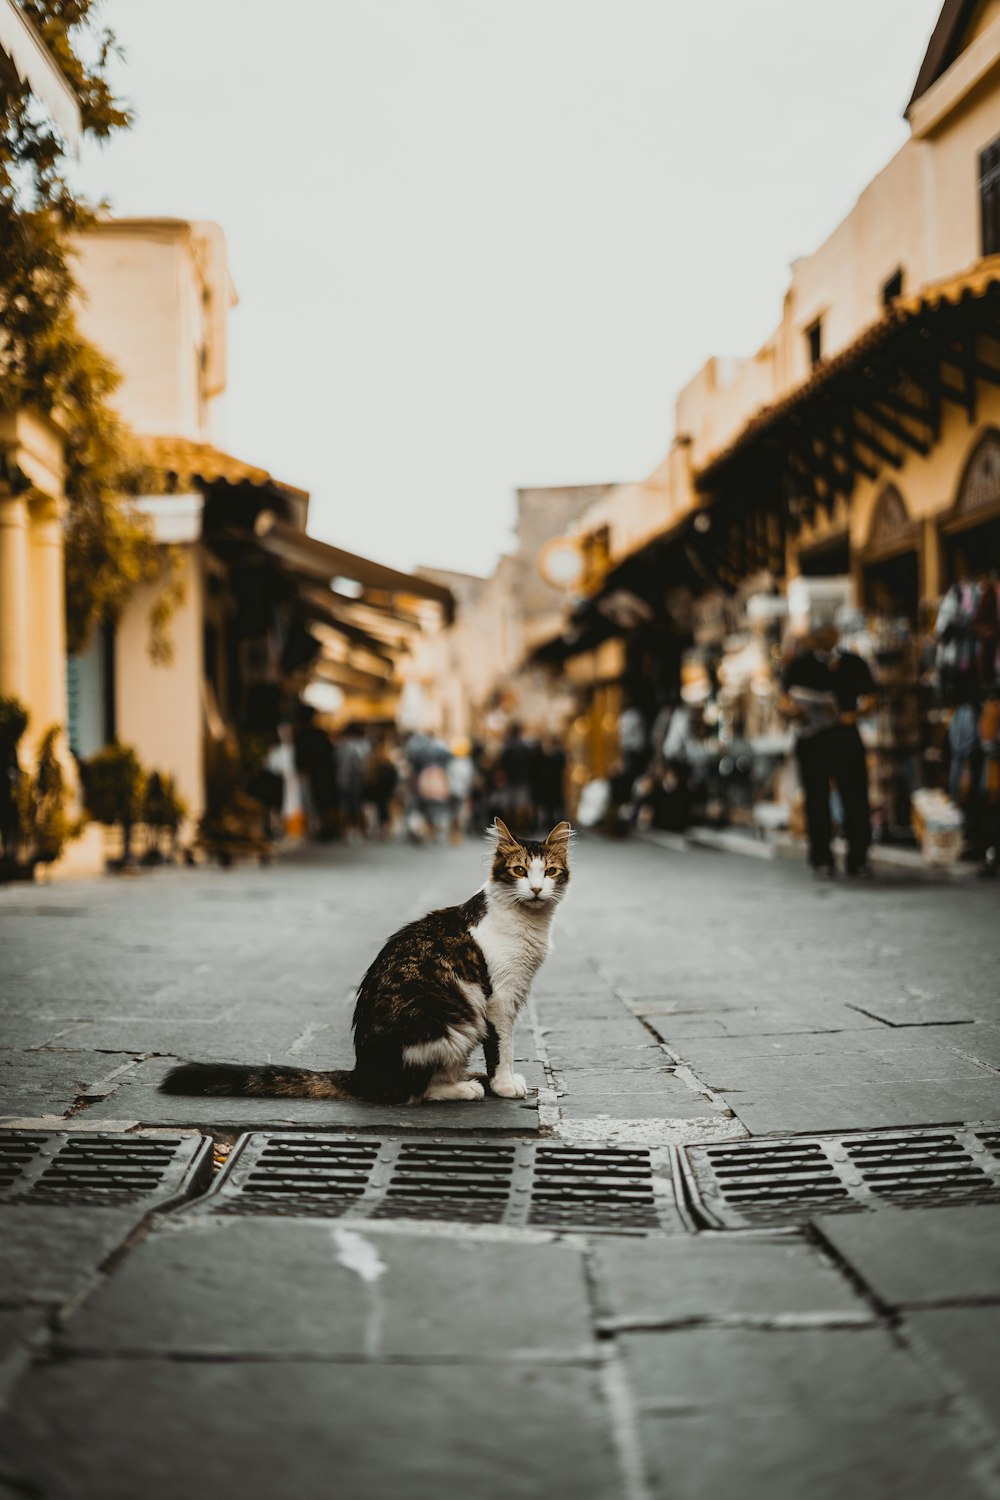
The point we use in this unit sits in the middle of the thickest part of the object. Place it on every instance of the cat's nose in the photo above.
(536, 890)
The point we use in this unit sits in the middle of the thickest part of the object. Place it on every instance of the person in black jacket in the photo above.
(824, 691)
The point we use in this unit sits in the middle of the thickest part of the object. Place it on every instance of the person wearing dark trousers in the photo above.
(825, 689)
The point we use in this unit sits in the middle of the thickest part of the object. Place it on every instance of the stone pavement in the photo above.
(695, 1001)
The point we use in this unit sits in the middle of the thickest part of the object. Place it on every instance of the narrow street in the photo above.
(740, 1237)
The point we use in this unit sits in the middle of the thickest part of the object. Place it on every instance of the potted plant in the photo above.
(13, 723)
(164, 810)
(46, 823)
(113, 789)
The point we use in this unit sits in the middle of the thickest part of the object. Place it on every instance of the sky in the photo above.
(482, 244)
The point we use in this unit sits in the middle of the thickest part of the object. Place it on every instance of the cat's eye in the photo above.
(552, 872)
(518, 870)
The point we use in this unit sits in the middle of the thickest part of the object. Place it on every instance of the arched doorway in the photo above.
(971, 531)
(890, 560)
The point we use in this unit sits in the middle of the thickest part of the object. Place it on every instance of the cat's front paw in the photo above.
(509, 1086)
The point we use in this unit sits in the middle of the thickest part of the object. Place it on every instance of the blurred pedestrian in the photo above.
(989, 786)
(516, 755)
(352, 758)
(381, 781)
(315, 761)
(632, 741)
(430, 794)
(461, 773)
(549, 783)
(824, 691)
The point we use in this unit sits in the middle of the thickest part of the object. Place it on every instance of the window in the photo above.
(989, 197)
(893, 288)
(814, 341)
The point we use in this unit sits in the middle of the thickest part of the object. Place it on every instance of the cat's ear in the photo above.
(560, 834)
(502, 833)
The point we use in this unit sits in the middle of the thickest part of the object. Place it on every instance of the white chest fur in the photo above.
(514, 945)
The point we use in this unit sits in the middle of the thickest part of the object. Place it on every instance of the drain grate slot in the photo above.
(59, 1167)
(17, 1152)
(786, 1182)
(465, 1181)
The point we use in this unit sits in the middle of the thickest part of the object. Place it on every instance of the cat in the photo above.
(440, 986)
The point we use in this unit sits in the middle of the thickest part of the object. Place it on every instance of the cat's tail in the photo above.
(266, 1081)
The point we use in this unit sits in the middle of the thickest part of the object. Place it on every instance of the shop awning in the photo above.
(185, 462)
(636, 593)
(319, 560)
(24, 55)
(351, 678)
(392, 630)
(322, 619)
(869, 405)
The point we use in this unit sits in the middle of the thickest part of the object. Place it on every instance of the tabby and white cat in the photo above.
(439, 987)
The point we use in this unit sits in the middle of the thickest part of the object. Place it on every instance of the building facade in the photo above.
(472, 678)
(259, 609)
(850, 463)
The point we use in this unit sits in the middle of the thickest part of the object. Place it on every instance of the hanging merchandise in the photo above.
(954, 629)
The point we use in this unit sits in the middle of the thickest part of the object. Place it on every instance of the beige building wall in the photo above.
(155, 296)
(159, 708)
(32, 590)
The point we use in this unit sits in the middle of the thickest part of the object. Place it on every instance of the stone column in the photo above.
(47, 646)
(14, 675)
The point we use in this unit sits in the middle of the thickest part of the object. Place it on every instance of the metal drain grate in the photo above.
(315, 1169)
(465, 1181)
(784, 1182)
(57, 1167)
(581, 1187)
(469, 1181)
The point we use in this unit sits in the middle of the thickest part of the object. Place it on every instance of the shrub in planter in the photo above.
(164, 810)
(13, 723)
(46, 824)
(114, 785)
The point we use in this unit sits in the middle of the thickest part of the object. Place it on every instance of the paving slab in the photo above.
(50, 1254)
(755, 1021)
(909, 1009)
(583, 1005)
(622, 1096)
(234, 1038)
(45, 1082)
(223, 1431)
(673, 1281)
(813, 1453)
(980, 1041)
(804, 1058)
(911, 1257)
(226, 1286)
(964, 1342)
(611, 1078)
(139, 1098)
(848, 1106)
(727, 1369)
